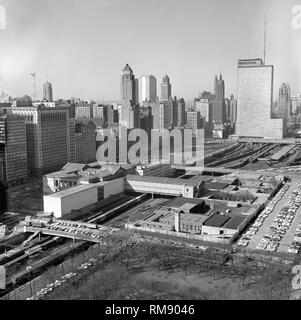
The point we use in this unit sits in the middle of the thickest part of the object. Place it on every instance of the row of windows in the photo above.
(53, 117)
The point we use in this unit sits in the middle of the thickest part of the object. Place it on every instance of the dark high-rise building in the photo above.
(85, 141)
(129, 89)
(13, 151)
(180, 120)
(218, 105)
(284, 105)
(165, 88)
(219, 88)
(47, 92)
(146, 120)
(49, 137)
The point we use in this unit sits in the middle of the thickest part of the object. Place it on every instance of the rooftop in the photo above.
(162, 180)
(217, 220)
(234, 222)
(72, 191)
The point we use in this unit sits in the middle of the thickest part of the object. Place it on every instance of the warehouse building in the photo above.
(61, 203)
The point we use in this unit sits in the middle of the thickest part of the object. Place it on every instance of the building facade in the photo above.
(233, 110)
(49, 138)
(284, 105)
(165, 88)
(129, 88)
(47, 92)
(254, 101)
(85, 141)
(13, 149)
(147, 89)
(129, 116)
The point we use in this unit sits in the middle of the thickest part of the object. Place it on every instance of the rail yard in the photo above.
(271, 237)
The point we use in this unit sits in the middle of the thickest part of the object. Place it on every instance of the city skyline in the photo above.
(189, 55)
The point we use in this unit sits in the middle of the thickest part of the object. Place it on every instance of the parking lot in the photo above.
(278, 227)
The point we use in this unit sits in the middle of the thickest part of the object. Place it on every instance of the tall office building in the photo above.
(194, 120)
(205, 108)
(146, 119)
(49, 138)
(47, 92)
(147, 89)
(129, 116)
(296, 103)
(284, 106)
(180, 114)
(254, 101)
(85, 141)
(84, 110)
(219, 88)
(233, 110)
(165, 114)
(227, 110)
(13, 150)
(98, 111)
(218, 104)
(155, 113)
(129, 86)
(165, 88)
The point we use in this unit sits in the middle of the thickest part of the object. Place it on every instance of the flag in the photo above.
(2, 17)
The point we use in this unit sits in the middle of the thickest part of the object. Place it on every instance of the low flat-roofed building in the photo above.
(228, 225)
(61, 203)
(162, 185)
(73, 174)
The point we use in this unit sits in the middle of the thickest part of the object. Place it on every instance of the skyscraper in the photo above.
(205, 108)
(129, 116)
(13, 151)
(218, 105)
(219, 88)
(254, 101)
(233, 109)
(129, 89)
(194, 120)
(284, 106)
(47, 92)
(180, 120)
(49, 138)
(165, 88)
(147, 89)
(85, 141)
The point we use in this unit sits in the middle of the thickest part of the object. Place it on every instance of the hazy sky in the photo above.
(81, 46)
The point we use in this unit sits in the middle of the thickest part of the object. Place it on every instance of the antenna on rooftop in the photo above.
(265, 38)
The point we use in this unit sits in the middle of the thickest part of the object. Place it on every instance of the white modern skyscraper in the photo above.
(147, 89)
(254, 101)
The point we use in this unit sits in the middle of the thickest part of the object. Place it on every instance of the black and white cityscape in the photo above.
(150, 150)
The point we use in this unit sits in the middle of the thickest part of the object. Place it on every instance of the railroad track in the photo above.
(60, 254)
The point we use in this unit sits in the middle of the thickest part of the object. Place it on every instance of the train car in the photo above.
(11, 255)
(33, 250)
